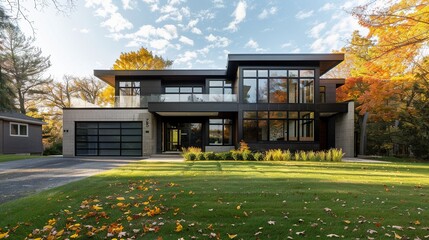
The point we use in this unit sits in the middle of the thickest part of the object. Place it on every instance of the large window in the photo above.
(220, 132)
(18, 130)
(278, 126)
(183, 94)
(278, 86)
(220, 90)
(129, 88)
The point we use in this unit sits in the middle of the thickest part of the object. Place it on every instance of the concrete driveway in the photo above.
(25, 177)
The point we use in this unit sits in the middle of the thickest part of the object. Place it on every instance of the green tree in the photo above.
(6, 93)
(141, 60)
(24, 65)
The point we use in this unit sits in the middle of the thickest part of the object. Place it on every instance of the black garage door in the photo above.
(108, 139)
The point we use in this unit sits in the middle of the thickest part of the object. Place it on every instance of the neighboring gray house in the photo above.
(20, 134)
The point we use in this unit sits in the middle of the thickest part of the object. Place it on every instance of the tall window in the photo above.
(322, 90)
(19, 129)
(129, 88)
(220, 90)
(277, 126)
(220, 132)
(278, 86)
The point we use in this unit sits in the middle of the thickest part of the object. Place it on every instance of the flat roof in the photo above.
(109, 75)
(325, 62)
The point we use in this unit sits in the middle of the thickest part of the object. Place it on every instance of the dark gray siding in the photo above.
(1, 136)
(15, 144)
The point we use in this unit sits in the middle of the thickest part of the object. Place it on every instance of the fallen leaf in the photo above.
(238, 207)
(398, 227)
(271, 222)
(332, 235)
(120, 198)
(370, 231)
(300, 233)
(232, 236)
(179, 227)
(397, 236)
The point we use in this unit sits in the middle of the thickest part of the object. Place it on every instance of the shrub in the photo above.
(296, 156)
(225, 156)
(210, 156)
(199, 156)
(303, 155)
(311, 156)
(236, 155)
(321, 155)
(286, 155)
(247, 155)
(243, 146)
(258, 156)
(55, 149)
(194, 150)
(189, 156)
(328, 156)
(336, 155)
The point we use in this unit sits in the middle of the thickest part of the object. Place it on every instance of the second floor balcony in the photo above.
(142, 101)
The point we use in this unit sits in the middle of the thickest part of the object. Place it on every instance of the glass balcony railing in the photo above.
(142, 101)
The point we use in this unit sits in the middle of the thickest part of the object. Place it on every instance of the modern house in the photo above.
(20, 134)
(267, 100)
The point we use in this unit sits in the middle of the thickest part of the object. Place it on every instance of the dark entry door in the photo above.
(178, 135)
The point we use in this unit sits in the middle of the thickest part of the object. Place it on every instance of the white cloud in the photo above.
(335, 37)
(315, 31)
(196, 31)
(186, 40)
(266, 12)
(186, 58)
(327, 7)
(218, 41)
(128, 4)
(254, 45)
(303, 14)
(170, 11)
(157, 38)
(239, 15)
(218, 4)
(251, 44)
(286, 45)
(84, 30)
(114, 22)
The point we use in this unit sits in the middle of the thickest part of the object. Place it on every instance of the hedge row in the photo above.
(331, 155)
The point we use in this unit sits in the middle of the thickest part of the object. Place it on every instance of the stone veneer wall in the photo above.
(345, 130)
(70, 116)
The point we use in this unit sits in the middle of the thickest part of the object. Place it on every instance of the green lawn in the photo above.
(7, 157)
(252, 200)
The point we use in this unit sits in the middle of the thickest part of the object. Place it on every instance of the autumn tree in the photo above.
(141, 60)
(382, 79)
(24, 65)
(89, 88)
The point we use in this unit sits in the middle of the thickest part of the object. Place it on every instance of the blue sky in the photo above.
(193, 33)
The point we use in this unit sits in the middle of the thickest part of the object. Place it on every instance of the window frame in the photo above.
(19, 129)
(223, 122)
(287, 76)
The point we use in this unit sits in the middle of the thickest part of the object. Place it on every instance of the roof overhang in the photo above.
(109, 76)
(19, 120)
(324, 61)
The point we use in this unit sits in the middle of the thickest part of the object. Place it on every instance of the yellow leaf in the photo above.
(347, 221)
(4, 235)
(397, 236)
(232, 236)
(120, 198)
(96, 207)
(179, 227)
(129, 218)
(145, 203)
(417, 222)
(74, 235)
(59, 233)
(238, 207)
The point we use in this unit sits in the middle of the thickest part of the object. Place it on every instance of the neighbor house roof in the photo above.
(19, 117)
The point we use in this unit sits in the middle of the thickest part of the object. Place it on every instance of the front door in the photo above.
(178, 135)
